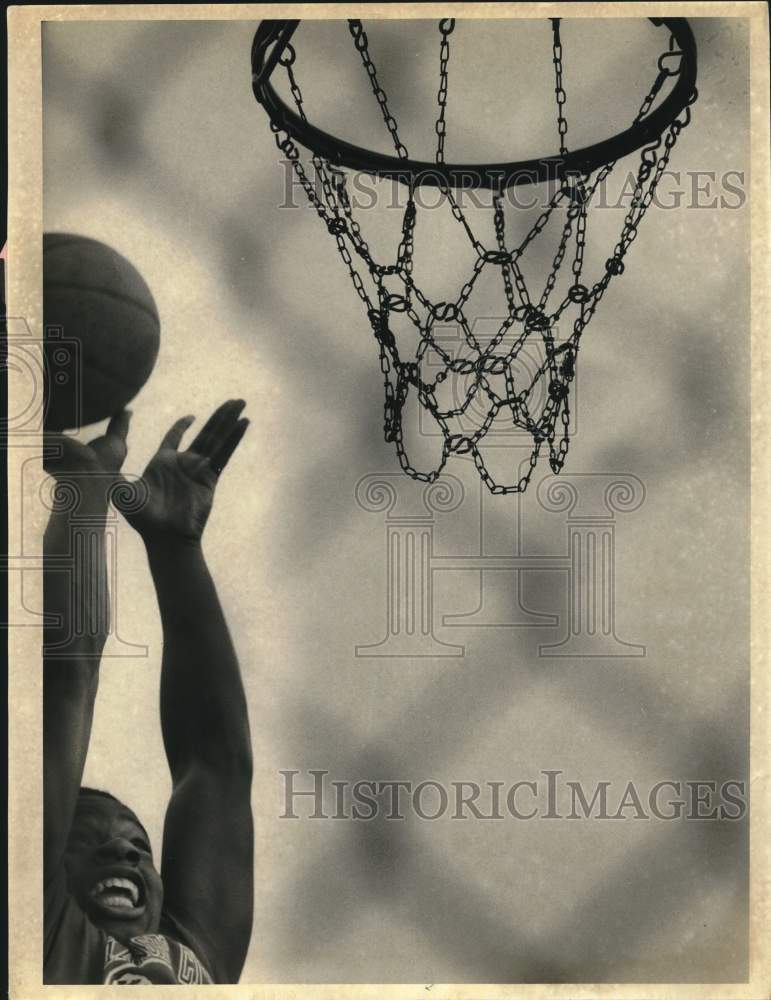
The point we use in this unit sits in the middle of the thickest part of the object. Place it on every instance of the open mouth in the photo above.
(119, 896)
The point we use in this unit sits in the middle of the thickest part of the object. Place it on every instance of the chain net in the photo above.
(539, 404)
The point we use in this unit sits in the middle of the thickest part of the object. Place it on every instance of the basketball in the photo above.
(102, 331)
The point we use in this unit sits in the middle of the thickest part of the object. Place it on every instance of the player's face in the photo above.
(110, 869)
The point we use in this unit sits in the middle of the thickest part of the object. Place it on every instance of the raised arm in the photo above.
(207, 866)
(76, 602)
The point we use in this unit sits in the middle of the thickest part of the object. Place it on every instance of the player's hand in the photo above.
(180, 485)
(93, 468)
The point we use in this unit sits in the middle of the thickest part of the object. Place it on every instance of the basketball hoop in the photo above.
(541, 406)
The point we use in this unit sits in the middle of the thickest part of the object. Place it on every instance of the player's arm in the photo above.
(207, 865)
(76, 601)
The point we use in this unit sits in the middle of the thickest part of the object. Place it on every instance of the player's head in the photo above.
(110, 867)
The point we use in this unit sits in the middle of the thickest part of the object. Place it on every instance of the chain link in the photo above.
(559, 91)
(446, 28)
(541, 406)
(361, 42)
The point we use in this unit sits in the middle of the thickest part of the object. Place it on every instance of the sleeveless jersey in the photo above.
(78, 953)
(152, 959)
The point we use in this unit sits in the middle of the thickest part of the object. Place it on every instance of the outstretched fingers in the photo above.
(119, 425)
(222, 455)
(175, 433)
(111, 447)
(218, 428)
(218, 438)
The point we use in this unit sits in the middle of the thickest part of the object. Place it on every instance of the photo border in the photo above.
(24, 286)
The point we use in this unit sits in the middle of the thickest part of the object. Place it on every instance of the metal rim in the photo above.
(468, 175)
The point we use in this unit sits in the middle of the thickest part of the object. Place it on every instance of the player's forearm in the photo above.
(203, 706)
(76, 603)
(75, 592)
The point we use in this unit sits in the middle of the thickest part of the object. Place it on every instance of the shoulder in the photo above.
(73, 947)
